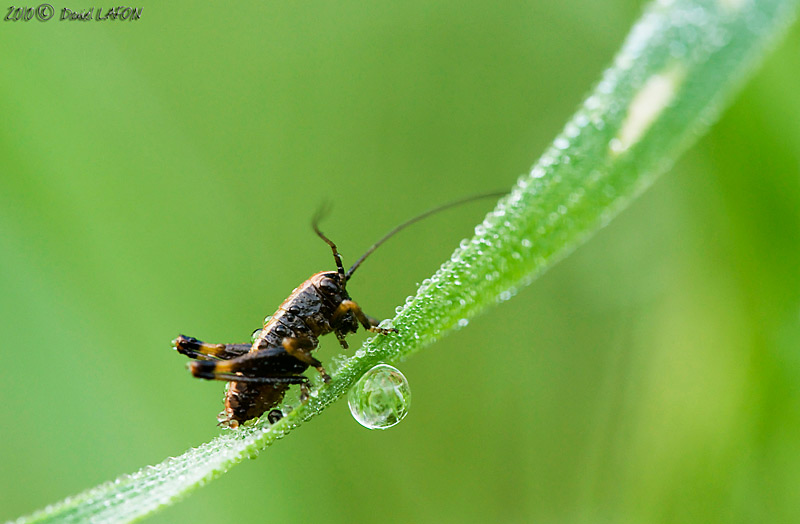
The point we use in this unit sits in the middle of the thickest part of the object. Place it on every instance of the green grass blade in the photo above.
(677, 68)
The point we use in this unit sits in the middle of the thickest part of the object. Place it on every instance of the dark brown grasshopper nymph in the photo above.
(259, 374)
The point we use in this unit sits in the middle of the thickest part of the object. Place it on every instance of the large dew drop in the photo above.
(380, 399)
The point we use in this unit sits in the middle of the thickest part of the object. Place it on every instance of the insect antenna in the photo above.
(319, 215)
(407, 223)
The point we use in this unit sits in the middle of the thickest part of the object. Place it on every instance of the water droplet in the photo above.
(615, 145)
(593, 102)
(380, 398)
(571, 130)
(255, 335)
(267, 319)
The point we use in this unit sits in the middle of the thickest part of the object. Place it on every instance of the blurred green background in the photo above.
(158, 177)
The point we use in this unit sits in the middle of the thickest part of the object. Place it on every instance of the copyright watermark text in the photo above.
(46, 12)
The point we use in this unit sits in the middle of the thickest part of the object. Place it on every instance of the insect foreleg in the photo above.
(193, 348)
(340, 336)
(369, 323)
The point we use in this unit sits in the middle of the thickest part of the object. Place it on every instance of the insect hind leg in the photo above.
(193, 348)
(215, 370)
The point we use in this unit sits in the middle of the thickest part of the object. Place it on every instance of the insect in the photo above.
(259, 374)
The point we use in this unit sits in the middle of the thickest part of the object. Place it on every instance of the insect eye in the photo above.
(328, 284)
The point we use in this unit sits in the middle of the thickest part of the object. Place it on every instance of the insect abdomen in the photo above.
(248, 401)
